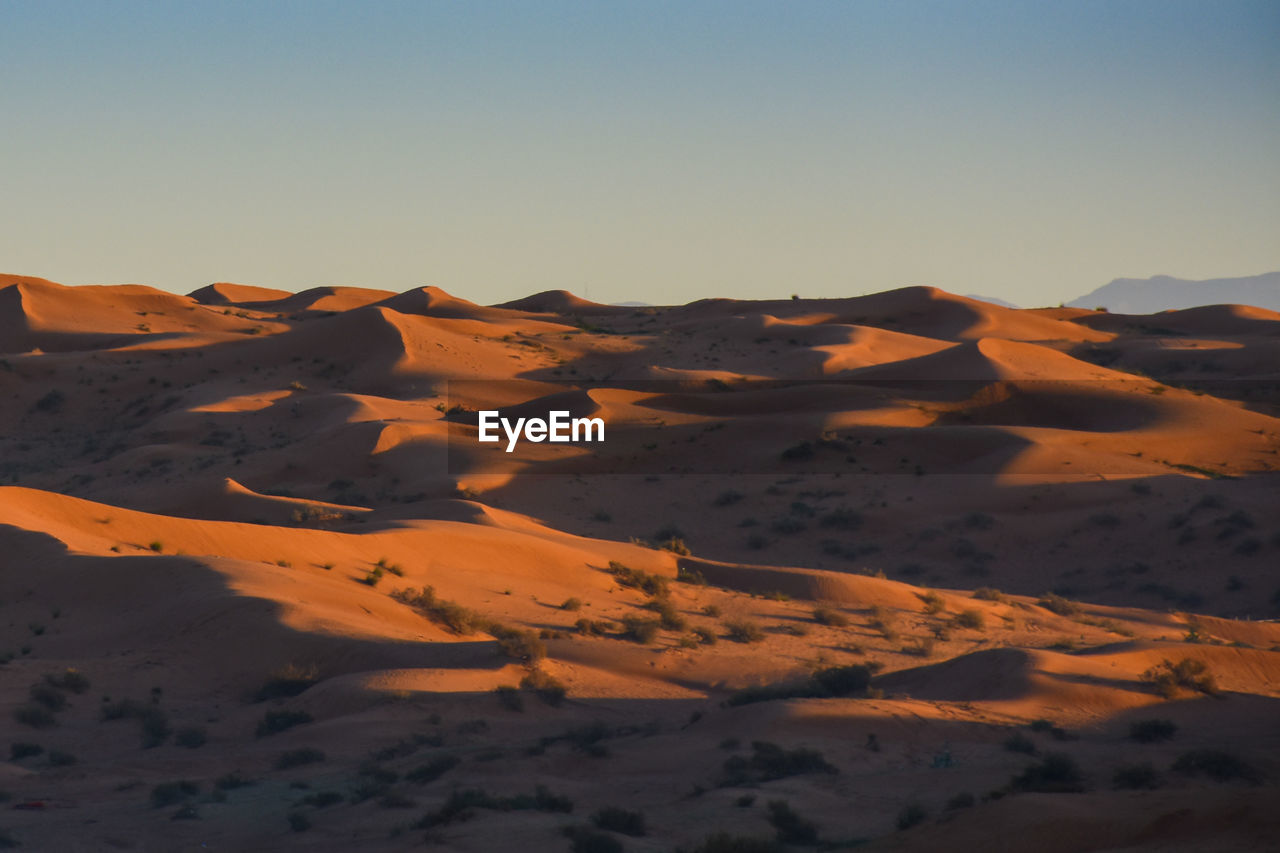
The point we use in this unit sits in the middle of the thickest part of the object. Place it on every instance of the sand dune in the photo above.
(862, 555)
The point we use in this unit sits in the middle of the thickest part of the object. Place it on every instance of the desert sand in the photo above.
(907, 571)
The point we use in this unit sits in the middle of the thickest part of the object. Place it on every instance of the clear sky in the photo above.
(653, 151)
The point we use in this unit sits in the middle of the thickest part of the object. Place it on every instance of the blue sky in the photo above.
(656, 151)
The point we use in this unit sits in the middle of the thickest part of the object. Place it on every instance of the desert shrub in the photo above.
(882, 620)
(461, 802)
(1151, 731)
(788, 525)
(727, 498)
(19, 750)
(639, 629)
(573, 605)
(231, 781)
(1217, 765)
(586, 840)
(69, 679)
(971, 619)
(287, 681)
(274, 722)
(743, 631)
(48, 696)
(451, 615)
(168, 793)
(723, 842)
(651, 585)
(509, 697)
(1189, 674)
(1136, 777)
(791, 827)
(321, 799)
(675, 545)
(546, 687)
(621, 820)
(432, 770)
(706, 636)
(830, 617)
(1057, 773)
(192, 737)
(1019, 742)
(769, 761)
(35, 716)
(299, 822)
(963, 800)
(841, 519)
(684, 574)
(1043, 726)
(920, 648)
(58, 758)
(1057, 604)
(911, 815)
(155, 727)
(593, 628)
(986, 593)
(298, 757)
(832, 681)
(933, 602)
(667, 614)
(517, 643)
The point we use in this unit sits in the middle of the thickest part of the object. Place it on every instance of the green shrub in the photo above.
(617, 819)
(298, 757)
(274, 722)
(1151, 731)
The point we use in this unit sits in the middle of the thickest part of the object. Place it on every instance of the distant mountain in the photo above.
(994, 300)
(1162, 292)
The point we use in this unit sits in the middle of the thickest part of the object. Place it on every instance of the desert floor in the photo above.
(906, 571)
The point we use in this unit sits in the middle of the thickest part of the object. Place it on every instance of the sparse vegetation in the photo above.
(790, 826)
(620, 820)
(768, 761)
(1187, 674)
(830, 616)
(298, 757)
(743, 631)
(274, 722)
(1217, 765)
(1058, 773)
(1136, 777)
(1152, 731)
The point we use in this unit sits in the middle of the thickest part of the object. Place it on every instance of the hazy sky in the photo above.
(652, 151)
